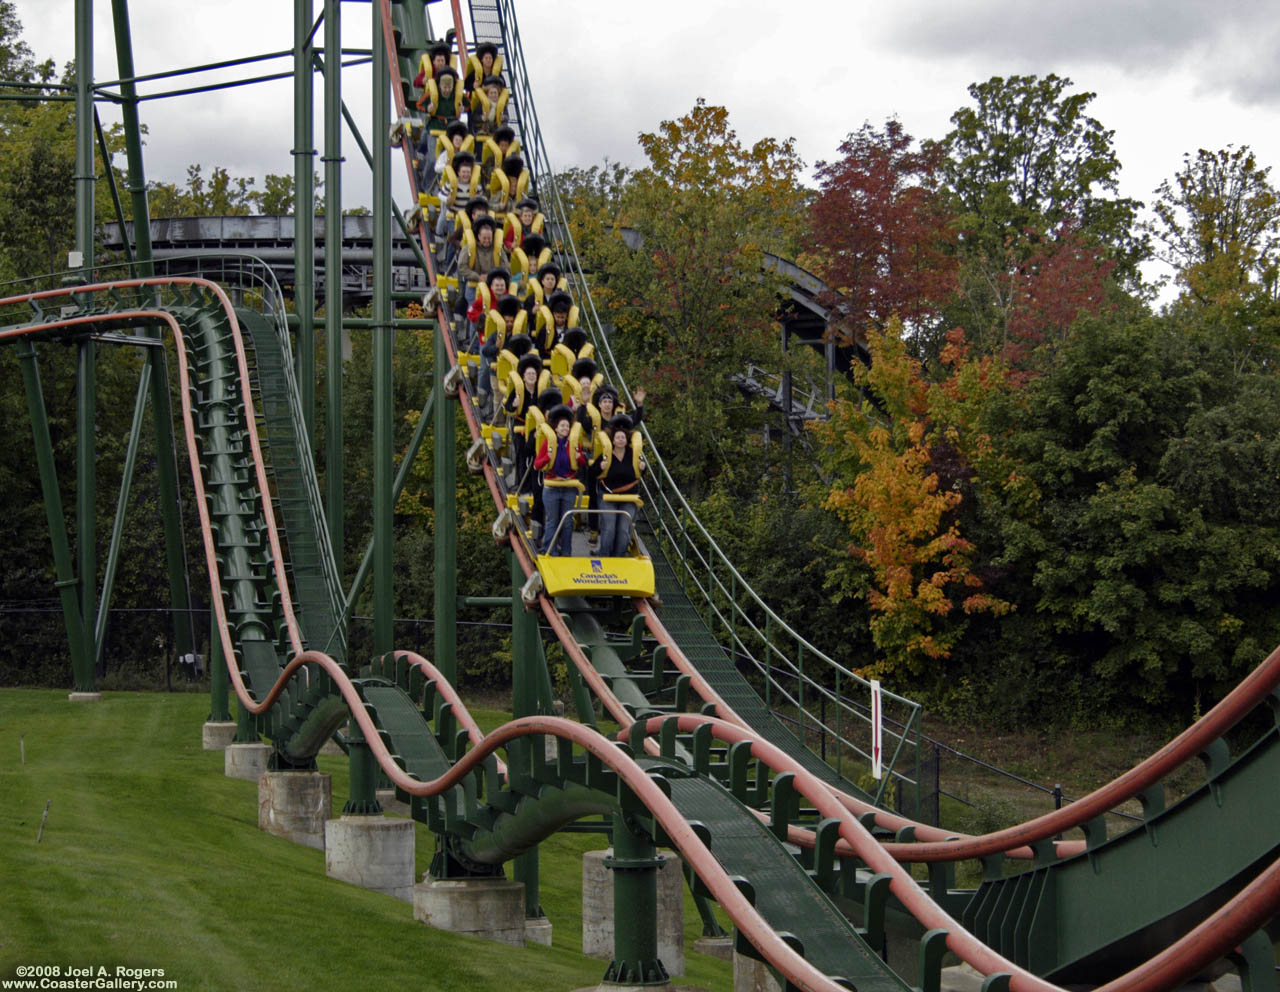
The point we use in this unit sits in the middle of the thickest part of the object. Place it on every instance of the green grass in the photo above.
(153, 858)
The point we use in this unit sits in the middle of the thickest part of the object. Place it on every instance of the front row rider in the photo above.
(618, 470)
(559, 456)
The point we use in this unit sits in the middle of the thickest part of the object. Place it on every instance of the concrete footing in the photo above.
(716, 947)
(216, 735)
(492, 908)
(750, 975)
(295, 805)
(537, 931)
(372, 852)
(597, 910)
(84, 697)
(247, 761)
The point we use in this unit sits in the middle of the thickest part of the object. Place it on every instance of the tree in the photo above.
(17, 63)
(899, 470)
(1150, 549)
(1027, 158)
(225, 195)
(880, 229)
(1033, 175)
(689, 293)
(1219, 226)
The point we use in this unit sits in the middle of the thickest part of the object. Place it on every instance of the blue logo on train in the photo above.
(597, 565)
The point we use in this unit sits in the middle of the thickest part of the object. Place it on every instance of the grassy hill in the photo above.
(152, 858)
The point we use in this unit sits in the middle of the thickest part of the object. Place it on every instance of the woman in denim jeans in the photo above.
(559, 456)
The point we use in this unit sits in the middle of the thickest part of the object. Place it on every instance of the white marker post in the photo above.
(877, 732)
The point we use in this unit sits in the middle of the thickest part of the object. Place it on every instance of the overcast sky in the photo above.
(1170, 76)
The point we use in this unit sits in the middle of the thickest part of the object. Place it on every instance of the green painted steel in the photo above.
(219, 682)
(688, 629)
(86, 385)
(162, 418)
(383, 339)
(1086, 919)
(445, 521)
(304, 245)
(318, 599)
(783, 892)
(634, 864)
(86, 510)
(334, 457)
(63, 567)
(122, 505)
(364, 775)
(527, 658)
(604, 658)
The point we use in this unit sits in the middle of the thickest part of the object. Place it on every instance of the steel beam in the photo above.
(304, 242)
(445, 519)
(63, 569)
(383, 338)
(526, 656)
(333, 465)
(162, 417)
(86, 385)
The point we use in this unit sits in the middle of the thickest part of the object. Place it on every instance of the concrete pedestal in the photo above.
(537, 931)
(716, 947)
(247, 761)
(295, 805)
(215, 736)
(372, 852)
(84, 697)
(750, 975)
(390, 804)
(597, 910)
(492, 908)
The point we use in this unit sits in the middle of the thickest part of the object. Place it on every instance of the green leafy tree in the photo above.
(689, 295)
(1218, 225)
(1033, 176)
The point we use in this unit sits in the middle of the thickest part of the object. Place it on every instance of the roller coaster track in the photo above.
(696, 781)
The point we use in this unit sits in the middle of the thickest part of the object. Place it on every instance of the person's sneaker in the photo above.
(593, 540)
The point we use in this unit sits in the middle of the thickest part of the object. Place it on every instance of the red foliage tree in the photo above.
(880, 227)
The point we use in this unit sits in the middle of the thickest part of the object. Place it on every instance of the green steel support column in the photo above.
(219, 678)
(86, 386)
(382, 331)
(84, 133)
(635, 863)
(446, 523)
(246, 726)
(132, 139)
(304, 241)
(86, 493)
(66, 581)
(122, 503)
(364, 775)
(524, 702)
(333, 459)
(162, 417)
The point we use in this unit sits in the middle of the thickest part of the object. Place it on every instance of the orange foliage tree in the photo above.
(920, 581)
